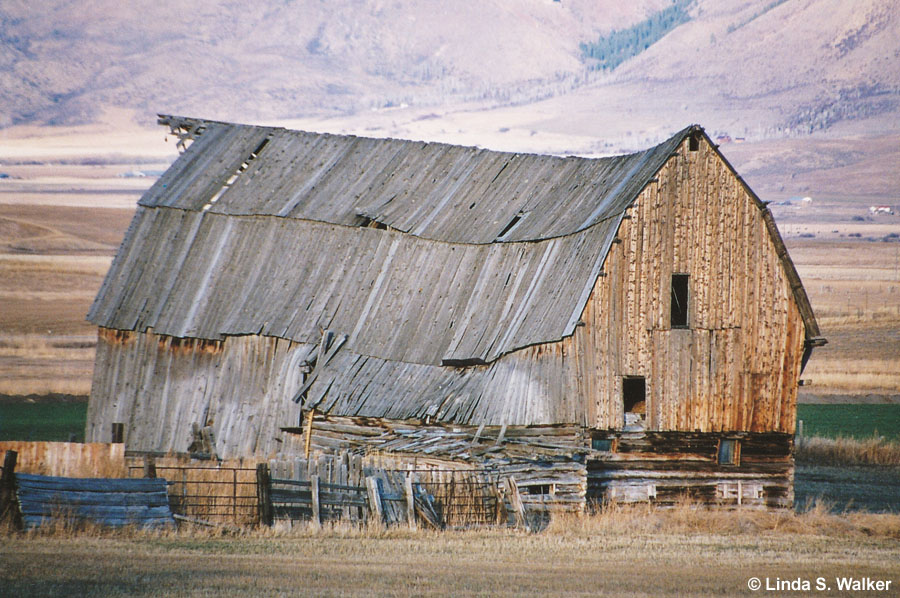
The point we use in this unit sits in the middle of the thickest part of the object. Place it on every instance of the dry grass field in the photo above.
(63, 212)
(625, 552)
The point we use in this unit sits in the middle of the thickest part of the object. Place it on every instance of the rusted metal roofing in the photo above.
(431, 190)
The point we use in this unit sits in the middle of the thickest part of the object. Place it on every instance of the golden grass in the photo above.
(41, 384)
(850, 374)
(612, 519)
(43, 364)
(624, 551)
(688, 517)
(847, 451)
(38, 265)
(39, 346)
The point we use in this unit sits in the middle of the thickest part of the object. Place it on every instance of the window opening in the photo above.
(729, 452)
(604, 444)
(679, 312)
(539, 489)
(694, 143)
(739, 490)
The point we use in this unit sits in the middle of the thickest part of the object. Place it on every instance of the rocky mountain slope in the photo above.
(803, 65)
(62, 61)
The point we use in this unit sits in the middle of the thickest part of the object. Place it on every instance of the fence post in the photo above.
(410, 502)
(7, 482)
(9, 468)
(263, 480)
(375, 510)
(500, 508)
(314, 488)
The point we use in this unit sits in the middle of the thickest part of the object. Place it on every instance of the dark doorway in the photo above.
(634, 394)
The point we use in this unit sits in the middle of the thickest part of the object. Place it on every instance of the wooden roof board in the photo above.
(432, 190)
(398, 296)
(200, 173)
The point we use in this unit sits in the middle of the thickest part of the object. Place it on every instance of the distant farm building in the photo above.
(626, 328)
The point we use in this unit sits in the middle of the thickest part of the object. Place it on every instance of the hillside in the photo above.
(762, 68)
(63, 61)
(517, 77)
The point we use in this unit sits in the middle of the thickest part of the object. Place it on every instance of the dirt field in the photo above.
(685, 556)
(63, 212)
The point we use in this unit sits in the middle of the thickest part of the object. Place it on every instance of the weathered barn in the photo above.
(628, 327)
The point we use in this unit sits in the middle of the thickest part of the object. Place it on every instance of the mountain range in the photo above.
(517, 75)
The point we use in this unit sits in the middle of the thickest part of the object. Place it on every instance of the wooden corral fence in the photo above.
(49, 500)
(392, 491)
(293, 500)
(69, 459)
(325, 487)
(33, 500)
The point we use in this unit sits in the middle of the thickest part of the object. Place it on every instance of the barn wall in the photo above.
(242, 389)
(737, 366)
(160, 386)
(664, 467)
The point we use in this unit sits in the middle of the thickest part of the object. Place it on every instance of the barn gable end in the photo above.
(736, 364)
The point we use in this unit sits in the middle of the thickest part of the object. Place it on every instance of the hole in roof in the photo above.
(234, 176)
(366, 222)
(512, 224)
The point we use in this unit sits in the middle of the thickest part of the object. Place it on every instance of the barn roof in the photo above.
(430, 190)
(421, 253)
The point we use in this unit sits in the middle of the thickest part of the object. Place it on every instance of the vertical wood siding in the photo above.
(737, 365)
(159, 386)
(68, 459)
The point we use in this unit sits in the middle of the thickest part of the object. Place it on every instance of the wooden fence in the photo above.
(69, 459)
(386, 489)
(322, 488)
(388, 497)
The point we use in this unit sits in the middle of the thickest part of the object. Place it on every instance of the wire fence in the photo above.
(223, 494)
(213, 494)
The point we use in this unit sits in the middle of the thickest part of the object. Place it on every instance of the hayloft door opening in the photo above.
(634, 399)
(679, 313)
